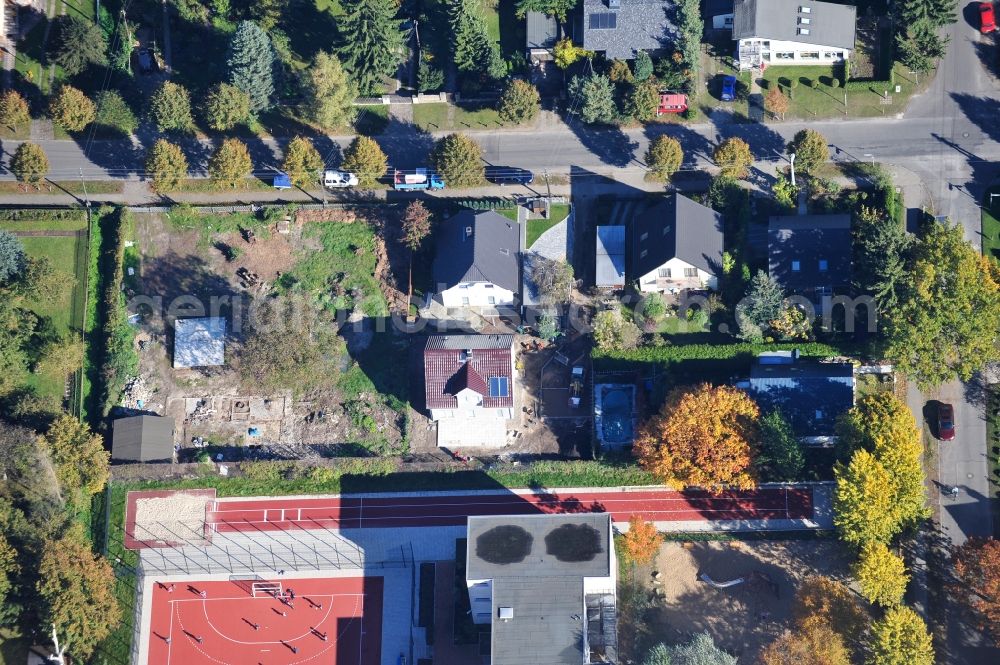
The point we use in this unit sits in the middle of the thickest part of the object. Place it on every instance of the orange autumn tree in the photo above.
(704, 436)
(642, 541)
(977, 566)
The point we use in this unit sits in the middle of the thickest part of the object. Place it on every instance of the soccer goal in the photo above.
(259, 589)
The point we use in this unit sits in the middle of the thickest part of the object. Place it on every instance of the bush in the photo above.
(266, 470)
(715, 351)
(835, 82)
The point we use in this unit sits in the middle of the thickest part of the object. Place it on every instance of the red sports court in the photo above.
(249, 621)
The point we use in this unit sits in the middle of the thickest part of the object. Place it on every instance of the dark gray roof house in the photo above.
(541, 30)
(478, 247)
(619, 28)
(551, 578)
(810, 394)
(781, 20)
(143, 439)
(677, 228)
(810, 255)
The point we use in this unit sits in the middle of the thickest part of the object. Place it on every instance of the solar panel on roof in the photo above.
(498, 386)
(603, 21)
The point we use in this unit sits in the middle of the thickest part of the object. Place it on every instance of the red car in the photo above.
(987, 19)
(946, 422)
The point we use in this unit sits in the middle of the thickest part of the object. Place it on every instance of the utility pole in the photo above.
(791, 159)
(58, 656)
(548, 199)
(86, 197)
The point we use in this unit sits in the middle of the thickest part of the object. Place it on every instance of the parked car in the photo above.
(416, 180)
(987, 18)
(339, 179)
(508, 175)
(946, 422)
(672, 102)
(728, 88)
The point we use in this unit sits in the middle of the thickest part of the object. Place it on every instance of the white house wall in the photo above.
(478, 294)
(651, 282)
(769, 54)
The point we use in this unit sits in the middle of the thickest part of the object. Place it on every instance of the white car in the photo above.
(339, 179)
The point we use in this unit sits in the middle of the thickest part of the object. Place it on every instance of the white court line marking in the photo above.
(308, 632)
(303, 660)
(197, 600)
(170, 633)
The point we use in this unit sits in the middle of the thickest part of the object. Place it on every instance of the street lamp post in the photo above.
(791, 160)
(868, 154)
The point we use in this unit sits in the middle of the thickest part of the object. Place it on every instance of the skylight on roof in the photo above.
(603, 21)
(499, 386)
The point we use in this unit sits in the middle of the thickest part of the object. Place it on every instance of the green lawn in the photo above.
(492, 17)
(435, 117)
(828, 102)
(371, 119)
(991, 223)
(536, 227)
(68, 255)
(64, 187)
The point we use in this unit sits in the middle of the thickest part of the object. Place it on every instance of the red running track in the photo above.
(186, 629)
(452, 510)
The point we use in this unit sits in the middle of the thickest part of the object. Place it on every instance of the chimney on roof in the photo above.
(505, 613)
(466, 355)
(614, 4)
(468, 231)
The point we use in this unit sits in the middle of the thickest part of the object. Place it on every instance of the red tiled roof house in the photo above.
(469, 376)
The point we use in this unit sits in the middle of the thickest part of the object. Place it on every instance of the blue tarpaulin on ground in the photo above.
(282, 181)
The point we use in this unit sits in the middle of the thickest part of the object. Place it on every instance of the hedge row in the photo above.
(666, 354)
(119, 360)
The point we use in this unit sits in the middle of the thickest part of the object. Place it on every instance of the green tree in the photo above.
(663, 158)
(459, 160)
(816, 645)
(82, 464)
(472, 47)
(780, 458)
(643, 66)
(619, 72)
(901, 638)
(230, 164)
(691, 28)
(120, 47)
(919, 46)
(936, 13)
(946, 323)
(225, 107)
(613, 332)
(251, 63)
(114, 112)
(592, 97)
(9, 572)
(881, 248)
(520, 102)
(429, 77)
(166, 165)
(416, 227)
(776, 103)
(557, 8)
(734, 158)
(329, 93)
(365, 158)
(61, 356)
(881, 574)
(701, 650)
(268, 13)
(643, 100)
(302, 162)
(809, 148)
(76, 590)
(13, 260)
(79, 43)
(72, 109)
(763, 304)
(372, 40)
(13, 109)
(863, 507)
(29, 163)
(171, 108)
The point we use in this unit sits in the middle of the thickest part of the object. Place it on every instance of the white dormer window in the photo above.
(805, 10)
(644, 236)
(796, 266)
(823, 265)
(643, 254)
(803, 31)
(804, 21)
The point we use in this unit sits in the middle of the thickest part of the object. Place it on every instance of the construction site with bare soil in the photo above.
(286, 352)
